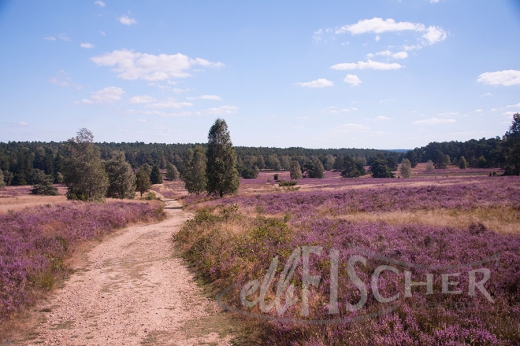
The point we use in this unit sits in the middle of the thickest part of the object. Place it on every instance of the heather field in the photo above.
(36, 242)
(337, 261)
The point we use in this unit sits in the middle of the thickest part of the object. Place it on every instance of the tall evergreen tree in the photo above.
(194, 172)
(351, 168)
(121, 177)
(221, 169)
(295, 172)
(83, 171)
(511, 147)
(155, 176)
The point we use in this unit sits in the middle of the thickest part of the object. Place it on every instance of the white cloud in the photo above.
(478, 110)
(223, 110)
(505, 77)
(100, 3)
(514, 106)
(434, 1)
(142, 99)
(23, 123)
(87, 45)
(377, 38)
(400, 55)
(142, 120)
(432, 34)
(131, 65)
(486, 94)
(334, 110)
(381, 132)
(106, 95)
(352, 79)
(64, 37)
(317, 35)
(318, 83)
(362, 65)
(170, 103)
(50, 38)
(378, 26)
(380, 118)
(509, 113)
(434, 121)
(102, 32)
(350, 128)
(63, 79)
(126, 20)
(435, 34)
(210, 97)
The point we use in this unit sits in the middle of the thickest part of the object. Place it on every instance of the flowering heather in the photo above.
(228, 257)
(35, 242)
(485, 192)
(233, 248)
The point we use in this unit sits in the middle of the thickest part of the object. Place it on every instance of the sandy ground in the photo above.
(128, 290)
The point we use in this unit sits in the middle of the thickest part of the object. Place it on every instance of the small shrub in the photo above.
(283, 183)
(150, 196)
(276, 177)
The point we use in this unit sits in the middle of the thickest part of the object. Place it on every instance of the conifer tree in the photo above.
(155, 176)
(121, 177)
(194, 172)
(221, 169)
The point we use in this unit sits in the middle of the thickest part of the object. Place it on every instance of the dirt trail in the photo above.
(130, 290)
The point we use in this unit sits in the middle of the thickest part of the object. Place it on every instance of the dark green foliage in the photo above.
(463, 164)
(379, 169)
(511, 145)
(43, 184)
(287, 183)
(171, 172)
(439, 160)
(121, 177)
(276, 177)
(142, 181)
(314, 169)
(295, 172)
(194, 172)
(412, 157)
(83, 171)
(221, 169)
(248, 171)
(155, 175)
(352, 168)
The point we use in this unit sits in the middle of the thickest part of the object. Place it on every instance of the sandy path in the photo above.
(130, 290)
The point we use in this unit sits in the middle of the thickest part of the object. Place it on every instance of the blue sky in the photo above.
(329, 74)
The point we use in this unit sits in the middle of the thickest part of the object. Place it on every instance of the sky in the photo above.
(383, 74)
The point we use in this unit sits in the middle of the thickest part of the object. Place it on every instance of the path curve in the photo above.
(131, 290)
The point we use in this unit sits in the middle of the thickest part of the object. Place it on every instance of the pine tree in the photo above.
(155, 176)
(511, 147)
(350, 168)
(221, 169)
(121, 177)
(380, 169)
(142, 181)
(295, 172)
(84, 173)
(194, 172)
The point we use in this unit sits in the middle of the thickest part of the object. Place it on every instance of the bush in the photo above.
(287, 183)
(276, 177)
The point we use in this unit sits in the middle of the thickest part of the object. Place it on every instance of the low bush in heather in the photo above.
(35, 242)
(234, 252)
